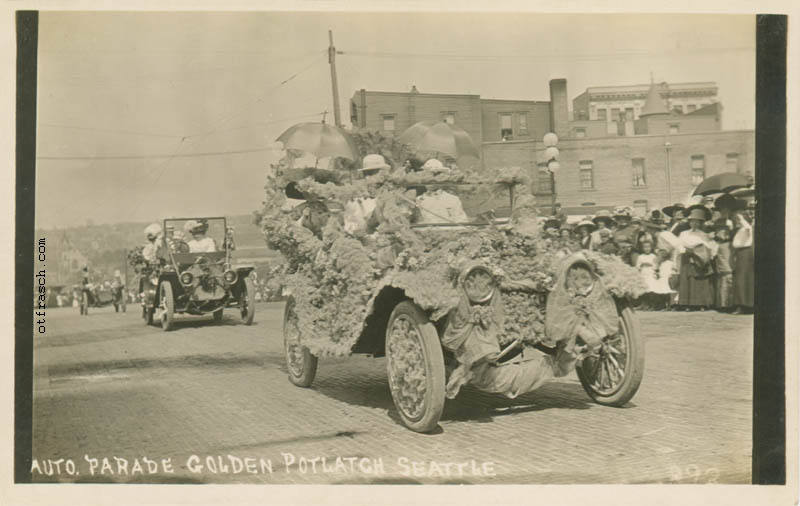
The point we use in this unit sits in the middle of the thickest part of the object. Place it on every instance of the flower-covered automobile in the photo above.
(448, 277)
(194, 273)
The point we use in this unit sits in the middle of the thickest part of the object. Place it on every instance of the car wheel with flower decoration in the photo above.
(415, 367)
(613, 375)
(301, 364)
(167, 305)
(247, 302)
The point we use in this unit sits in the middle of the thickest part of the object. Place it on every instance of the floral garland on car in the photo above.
(335, 277)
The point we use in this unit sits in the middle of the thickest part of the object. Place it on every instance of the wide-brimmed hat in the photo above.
(623, 212)
(603, 215)
(152, 230)
(193, 226)
(699, 212)
(435, 165)
(729, 202)
(552, 223)
(374, 162)
(670, 210)
(586, 222)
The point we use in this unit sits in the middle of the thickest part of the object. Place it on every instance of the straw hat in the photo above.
(152, 230)
(699, 212)
(374, 162)
(435, 165)
(603, 215)
(670, 210)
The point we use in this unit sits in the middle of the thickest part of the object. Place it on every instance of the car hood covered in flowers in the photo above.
(336, 278)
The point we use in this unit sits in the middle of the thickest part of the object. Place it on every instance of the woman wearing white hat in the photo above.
(199, 243)
(152, 233)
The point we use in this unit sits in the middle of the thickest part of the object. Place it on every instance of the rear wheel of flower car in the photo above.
(415, 366)
(167, 305)
(302, 365)
(246, 302)
(613, 377)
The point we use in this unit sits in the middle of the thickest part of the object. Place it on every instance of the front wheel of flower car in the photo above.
(415, 366)
(247, 302)
(167, 305)
(300, 363)
(613, 376)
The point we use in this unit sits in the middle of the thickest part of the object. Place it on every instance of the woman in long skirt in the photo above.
(695, 289)
(743, 278)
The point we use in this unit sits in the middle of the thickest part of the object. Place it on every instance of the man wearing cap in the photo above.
(625, 234)
(199, 243)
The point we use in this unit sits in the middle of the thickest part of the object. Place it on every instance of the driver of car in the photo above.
(200, 243)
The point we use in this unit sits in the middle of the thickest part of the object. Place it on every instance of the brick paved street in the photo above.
(108, 386)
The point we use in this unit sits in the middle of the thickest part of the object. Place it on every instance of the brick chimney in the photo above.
(559, 112)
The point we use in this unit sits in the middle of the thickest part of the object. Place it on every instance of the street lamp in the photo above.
(551, 156)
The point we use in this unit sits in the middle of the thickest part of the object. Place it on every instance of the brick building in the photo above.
(664, 139)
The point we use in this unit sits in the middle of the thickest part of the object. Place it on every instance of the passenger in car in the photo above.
(199, 243)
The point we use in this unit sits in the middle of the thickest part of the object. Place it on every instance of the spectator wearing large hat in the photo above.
(373, 164)
(584, 229)
(677, 215)
(695, 289)
(604, 221)
(200, 242)
(743, 257)
(152, 233)
(624, 235)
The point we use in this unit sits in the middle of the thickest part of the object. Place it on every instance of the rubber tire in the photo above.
(218, 315)
(168, 312)
(250, 292)
(310, 362)
(434, 368)
(634, 371)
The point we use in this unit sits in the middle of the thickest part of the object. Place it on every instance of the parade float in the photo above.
(485, 301)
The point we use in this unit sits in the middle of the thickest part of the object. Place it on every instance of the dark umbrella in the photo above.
(321, 140)
(439, 137)
(722, 183)
(729, 202)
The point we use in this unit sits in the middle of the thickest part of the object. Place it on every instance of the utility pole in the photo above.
(334, 83)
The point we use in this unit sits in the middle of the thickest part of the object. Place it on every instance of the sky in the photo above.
(114, 84)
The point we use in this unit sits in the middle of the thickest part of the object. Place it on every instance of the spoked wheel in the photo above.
(302, 365)
(415, 366)
(167, 305)
(246, 302)
(613, 376)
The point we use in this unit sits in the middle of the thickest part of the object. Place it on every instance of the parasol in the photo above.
(439, 137)
(321, 140)
(722, 183)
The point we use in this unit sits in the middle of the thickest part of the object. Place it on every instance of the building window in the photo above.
(543, 180)
(698, 169)
(587, 174)
(601, 114)
(691, 108)
(449, 117)
(388, 122)
(629, 114)
(522, 119)
(637, 165)
(640, 207)
(580, 133)
(674, 128)
(506, 131)
(732, 162)
(615, 114)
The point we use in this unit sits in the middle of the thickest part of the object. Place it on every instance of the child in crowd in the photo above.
(646, 262)
(663, 292)
(723, 267)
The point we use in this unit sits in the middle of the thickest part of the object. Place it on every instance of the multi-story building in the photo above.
(665, 139)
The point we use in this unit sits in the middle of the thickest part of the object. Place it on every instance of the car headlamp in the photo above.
(479, 285)
(230, 277)
(187, 278)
